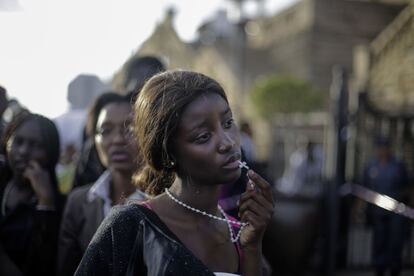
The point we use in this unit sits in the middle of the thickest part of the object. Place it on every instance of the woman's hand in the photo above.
(256, 208)
(40, 181)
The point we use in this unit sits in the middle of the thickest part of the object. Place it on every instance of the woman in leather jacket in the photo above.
(88, 205)
(29, 197)
(191, 146)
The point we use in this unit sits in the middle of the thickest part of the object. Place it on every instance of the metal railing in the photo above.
(360, 236)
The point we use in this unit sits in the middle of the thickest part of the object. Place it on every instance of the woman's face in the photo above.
(207, 144)
(24, 146)
(115, 145)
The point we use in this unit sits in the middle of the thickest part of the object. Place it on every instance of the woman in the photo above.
(30, 201)
(87, 206)
(191, 147)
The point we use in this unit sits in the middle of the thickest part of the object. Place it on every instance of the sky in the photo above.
(46, 43)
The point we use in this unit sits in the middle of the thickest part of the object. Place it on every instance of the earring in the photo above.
(170, 164)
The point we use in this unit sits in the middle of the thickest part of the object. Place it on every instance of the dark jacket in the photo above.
(89, 167)
(29, 237)
(81, 219)
(390, 179)
(134, 235)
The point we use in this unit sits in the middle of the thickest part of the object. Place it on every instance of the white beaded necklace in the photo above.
(225, 218)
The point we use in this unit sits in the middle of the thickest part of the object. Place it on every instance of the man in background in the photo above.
(388, 176)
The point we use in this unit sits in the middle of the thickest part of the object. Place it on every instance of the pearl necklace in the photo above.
(225, 218)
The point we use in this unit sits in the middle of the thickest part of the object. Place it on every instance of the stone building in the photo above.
(384, 84)
(382, 103)
(306, 41)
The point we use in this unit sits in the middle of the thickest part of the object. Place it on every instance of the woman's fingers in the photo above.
(35, 165)
(254, 206)
(32, 168)
(254, 220)
(254, 199)
(259, 211)
(257, 202)
(261, 183)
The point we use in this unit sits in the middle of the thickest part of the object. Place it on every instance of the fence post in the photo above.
(339, 101)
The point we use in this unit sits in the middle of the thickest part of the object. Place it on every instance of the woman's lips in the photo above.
(120, 156)
(21, 164)
(232, 165)
(232, 161)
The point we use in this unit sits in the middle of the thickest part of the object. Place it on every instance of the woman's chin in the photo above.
(231, 178)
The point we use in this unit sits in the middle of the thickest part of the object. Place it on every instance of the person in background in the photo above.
(140, 69)
(88, 205)
(191, 147)
(303, 175)
(88, 167)
(9, 108)
(3, 107)
(29, 198)
(388, 176)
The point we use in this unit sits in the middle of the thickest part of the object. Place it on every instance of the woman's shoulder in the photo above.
(122, 223)
(79, 193)
(128, 213)
(129, 216)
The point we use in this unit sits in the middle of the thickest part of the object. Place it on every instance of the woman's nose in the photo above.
(23, 149)
(227, 142)
(121, 135)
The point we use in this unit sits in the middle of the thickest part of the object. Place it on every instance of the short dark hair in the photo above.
(3, 91)
(140, 69)
(100, 102)
(158, 110)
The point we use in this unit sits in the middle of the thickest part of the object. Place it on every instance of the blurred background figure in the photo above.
(140, 70)
(9, 108)
(30, 201)
(296, 226)
(303, 175)
(88, 205)
(88, 167)
(3, 106)
(388, 176)
(82, 91)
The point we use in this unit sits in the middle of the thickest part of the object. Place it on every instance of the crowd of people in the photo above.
(161, 185)
(145, 193)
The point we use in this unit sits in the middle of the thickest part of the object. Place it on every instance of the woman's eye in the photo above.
(202, 138)
(38, 145)
(104, 131)
(17, 141)
(228, 123)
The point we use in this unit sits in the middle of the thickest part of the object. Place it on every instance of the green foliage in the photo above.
(281, 94)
